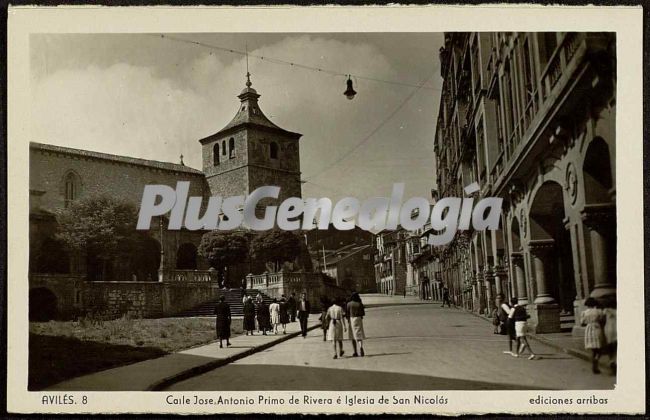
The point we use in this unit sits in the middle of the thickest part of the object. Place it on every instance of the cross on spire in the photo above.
(248, 75)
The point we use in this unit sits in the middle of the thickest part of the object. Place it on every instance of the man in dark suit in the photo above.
(303, 313)
(291, 306)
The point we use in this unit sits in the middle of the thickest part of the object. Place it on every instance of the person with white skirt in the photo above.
(355, 312)
(337, 326)
(274, 312)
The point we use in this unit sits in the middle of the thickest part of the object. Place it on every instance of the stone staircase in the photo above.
(567, 320)
(233, 298)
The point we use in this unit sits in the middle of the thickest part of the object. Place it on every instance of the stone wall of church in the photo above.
(289, 183)
(288, 154)
(231, 183)
(230, 159)
(48, 170)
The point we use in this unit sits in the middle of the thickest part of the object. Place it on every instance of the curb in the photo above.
(206, 367)
(383, 305)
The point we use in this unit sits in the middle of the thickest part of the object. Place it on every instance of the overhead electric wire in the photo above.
(347, 154)
(293, 64)
(327, 71)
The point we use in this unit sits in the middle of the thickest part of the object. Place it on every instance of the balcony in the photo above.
(563, 74)
(557, 64)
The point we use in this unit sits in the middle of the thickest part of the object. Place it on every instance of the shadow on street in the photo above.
(250, 377)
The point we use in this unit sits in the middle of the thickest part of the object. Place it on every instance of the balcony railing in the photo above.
(558, 62)
(190, 276)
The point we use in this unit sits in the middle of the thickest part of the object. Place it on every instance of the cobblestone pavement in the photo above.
(409, 347)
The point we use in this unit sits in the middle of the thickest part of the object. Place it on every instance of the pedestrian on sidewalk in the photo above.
(284, 315)
(324, 323)
(249, 316)
(355, 312)
(291, 306)
(337, 326)
(610, 334)
(274, 311)
(445, 297)
(506, 324)
(303, 313)
(593, 318)
(244, 299)
(520, 317)
(222, 310)
(263, 317)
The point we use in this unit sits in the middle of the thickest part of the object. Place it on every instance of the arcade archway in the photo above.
(550, 247)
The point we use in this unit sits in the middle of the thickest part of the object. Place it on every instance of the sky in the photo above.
(154, 97)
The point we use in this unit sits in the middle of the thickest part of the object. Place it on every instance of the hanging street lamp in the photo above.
(349, 92)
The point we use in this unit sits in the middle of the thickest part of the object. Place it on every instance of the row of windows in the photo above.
(274, 150)
(517, 99)
(230, 150)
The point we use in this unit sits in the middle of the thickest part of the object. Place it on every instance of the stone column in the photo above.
(545, 312)
(498, 277)
(539, 250)
(479, 291)
(475, 294)
(598, 218)
(489, 298)
(520, 277)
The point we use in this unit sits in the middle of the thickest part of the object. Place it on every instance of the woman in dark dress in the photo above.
(249, 316)
(222, 310)
(284, 315)
(324, 322)
(263, 316)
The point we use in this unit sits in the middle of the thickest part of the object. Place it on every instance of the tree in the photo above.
(224, 248)
(276, 246)
(101, 226)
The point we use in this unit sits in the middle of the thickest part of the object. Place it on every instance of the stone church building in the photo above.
(247, 153)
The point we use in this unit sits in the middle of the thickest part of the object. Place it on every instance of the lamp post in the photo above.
(162, 252)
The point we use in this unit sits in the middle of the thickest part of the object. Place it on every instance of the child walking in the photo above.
(593, 318)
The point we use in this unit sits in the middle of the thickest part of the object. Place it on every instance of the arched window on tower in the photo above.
(215, 154)
(71, 188)
(273, 150)
(231, 148)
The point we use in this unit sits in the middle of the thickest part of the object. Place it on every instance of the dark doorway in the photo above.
(42, 305)
(145, 261)
(186, 257)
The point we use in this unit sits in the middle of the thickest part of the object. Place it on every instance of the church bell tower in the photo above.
(250, 152)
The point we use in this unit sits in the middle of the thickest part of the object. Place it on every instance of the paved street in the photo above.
(410, 347)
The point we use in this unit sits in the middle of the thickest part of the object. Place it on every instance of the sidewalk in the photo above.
(154, 374)
(564, 341)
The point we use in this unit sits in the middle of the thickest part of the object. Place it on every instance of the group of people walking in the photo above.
(265, 318)
(512, 320)
(341, 316)
(600, 332)
(270, 318)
